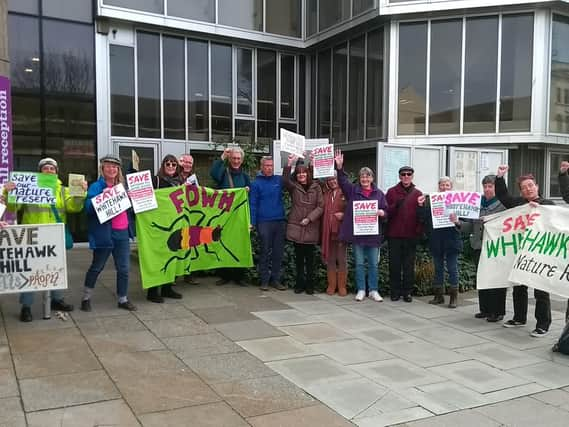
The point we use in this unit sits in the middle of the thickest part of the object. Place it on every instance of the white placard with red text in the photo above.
(111, 202)
(141, 192)
(365, 218)
(323, 161)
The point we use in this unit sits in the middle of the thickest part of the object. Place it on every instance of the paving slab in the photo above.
(110, 325)
(314, 307)
(153, 311)
(392, 418)
(422, 353)
(45, 341)
(548, 374)
(445, 397)
(349, 352)
(448, 337)
(518, 338)
(500, 356)
(222, 314)
(117, 342)
(469, 418)
(248, 330)
(207, 415)
(313, 416)
(284, 317)
(397, 374)
(345, 320)
(315, 332)
(277, 348)
(139, 363)
(8, 384)
(11, 413)
(178, 327)
(389, 402)
(201, 345)
(526, 412)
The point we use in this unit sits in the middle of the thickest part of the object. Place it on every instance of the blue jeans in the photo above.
(271, 238)
(121, 257)
(27, 298)
(452, 268)
(361, 255)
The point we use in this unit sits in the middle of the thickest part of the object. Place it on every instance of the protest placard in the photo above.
(33, 188)
(75, 183)
(464, 204)
(32, 258)
(365, 218)
(141, 192)
(111, 202)
(192, 180)
(323, 161)
(292, 143)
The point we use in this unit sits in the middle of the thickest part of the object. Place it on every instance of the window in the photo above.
(75, 10)
(244, 81)
(244, 131)
(148, 66)
(155, 6)
(312, 17)
(221, 93)
(333, 12)
(362, 6)
(339, 93)
(283, 17)
(374, 90)
(122, 90)
(287, 87)
(174, 88)
(198, 90)
(357, 88)
(266, 95)
(241, 13)
(555, 161)
(23, 6)
(324, 95)
(200, 10)
(412, 79)
(559, 78)
(516, 73)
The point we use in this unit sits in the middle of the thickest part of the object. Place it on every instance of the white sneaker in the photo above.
(374, 295)
(360, 295)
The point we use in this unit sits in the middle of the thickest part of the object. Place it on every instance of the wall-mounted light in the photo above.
(35, 59)
(28, 70)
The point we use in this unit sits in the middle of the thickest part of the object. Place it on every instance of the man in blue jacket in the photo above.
(268, 217)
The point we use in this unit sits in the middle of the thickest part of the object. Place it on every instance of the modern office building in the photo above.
(451, 86)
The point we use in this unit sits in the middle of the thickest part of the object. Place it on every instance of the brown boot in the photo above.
(453, 297)
(342, 279)
(438, 296)
(332, 283)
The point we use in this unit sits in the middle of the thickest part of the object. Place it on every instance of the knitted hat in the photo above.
(47, 161)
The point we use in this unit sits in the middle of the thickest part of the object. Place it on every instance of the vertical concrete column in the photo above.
(4, 63)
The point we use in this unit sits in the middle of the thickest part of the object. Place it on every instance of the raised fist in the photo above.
(502, 170)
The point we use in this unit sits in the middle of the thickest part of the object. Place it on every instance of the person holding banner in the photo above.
(303, 225)
(445, 245)
(110, 237)
(47, 214)
(366, 206)
(529, 191)
(564, 188)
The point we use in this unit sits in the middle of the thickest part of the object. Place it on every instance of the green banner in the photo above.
(193, 228)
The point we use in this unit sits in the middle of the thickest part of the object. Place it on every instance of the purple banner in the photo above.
(6, 151)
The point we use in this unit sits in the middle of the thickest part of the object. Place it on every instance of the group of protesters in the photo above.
(321, 213)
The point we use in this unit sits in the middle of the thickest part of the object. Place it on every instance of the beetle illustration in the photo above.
(191, 237)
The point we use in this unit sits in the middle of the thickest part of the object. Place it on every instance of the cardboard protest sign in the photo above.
(75, 183)
(193, 228)
(111, 202)
(192, 180)
(32, 258)
(365, 218)
(292, 143)
(464, 204)
(141, 192)
(33, 188)
(323, 161)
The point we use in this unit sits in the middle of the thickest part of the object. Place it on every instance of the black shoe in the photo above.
(61, 306)
(127, 306)
(480, 315)
(298, 290)
(493, 318)
(310, 291)
(408, 298)
(154, 298)
(395, 297)
(222, 282)
(86, 305)
(26, 314)
(168, 292)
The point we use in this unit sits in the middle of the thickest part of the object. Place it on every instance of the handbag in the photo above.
(68, 235)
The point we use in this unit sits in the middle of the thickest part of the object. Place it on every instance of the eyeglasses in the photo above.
(170, 164)
(406, 174)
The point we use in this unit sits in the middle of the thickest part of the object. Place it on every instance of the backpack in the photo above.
(562, 345)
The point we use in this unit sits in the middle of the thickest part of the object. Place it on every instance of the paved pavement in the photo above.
(235, 356)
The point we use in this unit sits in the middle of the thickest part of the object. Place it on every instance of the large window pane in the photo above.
(241, 13)
(221, 96)
(174, 90)
(332, 12)
(374, 111)
(559, 74)
(200, 10)
(266, 95)
(122, 90)
(24, 6)
(287, 86)
(362, 5)
(444, 94)
(516, 73)
(357, 82)
(412, 79)
(148, 66)
(244, 131)
(283, 17)
(324, 94)
(156, 6)
(312, 17)
(75, 10)
(244, 81)
(480, 75)
(198, 90)
(339, 93)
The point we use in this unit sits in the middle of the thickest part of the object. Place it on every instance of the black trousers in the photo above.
(491, 301)
(304, 255)
(542, 306)
(236, 274)
(402, 266)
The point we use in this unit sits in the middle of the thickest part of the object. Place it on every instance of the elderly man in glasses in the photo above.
(403, 231)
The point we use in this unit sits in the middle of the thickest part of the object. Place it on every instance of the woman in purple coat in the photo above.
(365, 246)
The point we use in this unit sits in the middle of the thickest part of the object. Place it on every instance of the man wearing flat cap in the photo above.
(403, 231)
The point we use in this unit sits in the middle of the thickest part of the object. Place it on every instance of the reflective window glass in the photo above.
(241, 13)
(174, 88)
(333, 12)
(200, 10)
(357, 82)
(156, 6)
(559, 78)
(75, 10)
(324, 94)
(266, 95)
(339, 93)
(244, 131)
(221, 94)
(362, 6)
(412, 77)
(283, 17)
(198, 90)
(148, 67)
(374, 91)
(244, 81)
(287, 86)
(122, 90)
(311, 17)
(516, 73)
(23, 6)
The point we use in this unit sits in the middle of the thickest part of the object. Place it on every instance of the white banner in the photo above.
(141, 192)
(292, 143)
(323, 161)
(111, 202)
(464, 204)
(32, 258)
(365, 218)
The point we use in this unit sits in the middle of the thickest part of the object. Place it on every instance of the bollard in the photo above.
(47, 305)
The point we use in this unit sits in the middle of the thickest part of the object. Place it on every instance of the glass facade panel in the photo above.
(357, 88)
(244, 81)
(288, 126)
(362, 6)
(287, 86)
(283, 17)
(148, 66)
(198, 90)
(555, 161)
(122, 90)
(266, 95)
(156, 6)
(221, 94)
(200, 10)
(23, 6)
(241, 13)
(174, 88)
(516, 73)
(444, 89)
(324, 94)
(333, 12)
(75, 10)
(412, 79)
(480, 75)
(374, 110)
(339, 93)
(312, 17)
(244, 131)
(559, 78)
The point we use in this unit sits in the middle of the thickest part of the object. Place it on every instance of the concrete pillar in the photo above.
(4, 63)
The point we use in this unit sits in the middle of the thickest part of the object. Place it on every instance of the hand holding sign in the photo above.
(291, 159)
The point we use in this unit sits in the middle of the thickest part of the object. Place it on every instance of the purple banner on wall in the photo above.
(6, 151)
